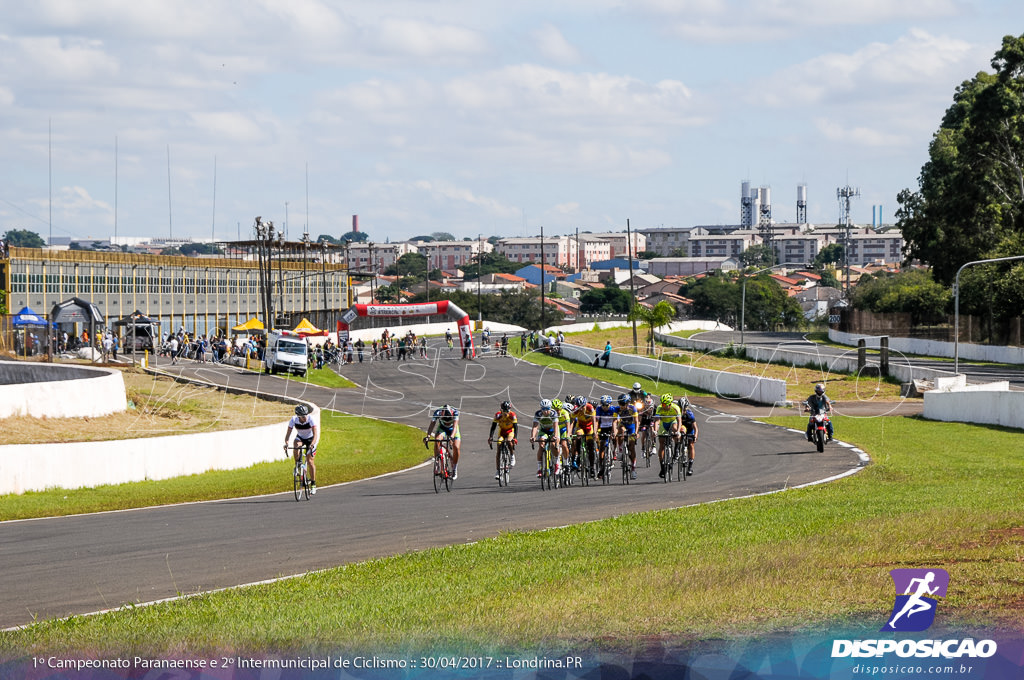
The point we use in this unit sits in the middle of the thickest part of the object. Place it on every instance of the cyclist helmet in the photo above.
(819, 389)
(636, 387)
(580, 401)
(302, 410)
(606, 399)
(506, 406)
(684, 403)
(623, 399)
(545, 404)
(666, 399)
(447, 410)
(556, 404)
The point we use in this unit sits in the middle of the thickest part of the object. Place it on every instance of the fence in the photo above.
(973, 329)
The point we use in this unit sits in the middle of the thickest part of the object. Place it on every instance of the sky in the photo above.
(152, 118)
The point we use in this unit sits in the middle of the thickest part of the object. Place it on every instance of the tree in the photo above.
(200, 249)
(491, 263)
(758, 255)
(608, 300)
(913, 292)
(413, 265)
(969, 204)
(830, 254)
(654, 317)
(351, 237)
(767, 305)
(23, 238)
(442, 236)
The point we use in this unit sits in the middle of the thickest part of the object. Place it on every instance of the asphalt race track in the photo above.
(61, 566)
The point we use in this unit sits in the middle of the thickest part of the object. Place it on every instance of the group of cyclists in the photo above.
(577, 421)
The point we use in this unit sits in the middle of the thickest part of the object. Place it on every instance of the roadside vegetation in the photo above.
(815, 558)
(799, 381)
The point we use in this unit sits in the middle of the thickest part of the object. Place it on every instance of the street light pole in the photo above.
(956, 305)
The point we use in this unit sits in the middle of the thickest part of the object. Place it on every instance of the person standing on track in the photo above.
(307, 434)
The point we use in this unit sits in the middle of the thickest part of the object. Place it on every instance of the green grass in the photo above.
(350, 448)
(613, 376)
(324, 377)
(807, 559)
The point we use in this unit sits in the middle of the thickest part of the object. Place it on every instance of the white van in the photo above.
(286, 351)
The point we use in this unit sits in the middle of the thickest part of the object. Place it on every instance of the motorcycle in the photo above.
(819, 428)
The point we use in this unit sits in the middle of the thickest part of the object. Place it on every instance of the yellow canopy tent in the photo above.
(253, 325)
(305, 329)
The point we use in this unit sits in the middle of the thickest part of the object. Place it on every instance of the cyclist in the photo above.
(607, 422)
(629, 426)
(508, 431)
(448, 339)
(689, 422)
(584, 426)
(545, 422)
(669, 416)
(446, 419)
(563, 428)
(819, 403)
(307, 434)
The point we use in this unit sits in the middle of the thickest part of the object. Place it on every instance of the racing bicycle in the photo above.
(443, 473)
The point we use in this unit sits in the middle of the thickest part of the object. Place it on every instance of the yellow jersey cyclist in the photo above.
(689, 423)
(507, 423)
(629, 427)
(446, 420)
(564, 420)
(307, 435)
(545, 423)
(669, 418)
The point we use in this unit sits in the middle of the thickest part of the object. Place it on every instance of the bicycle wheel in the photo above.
(625, 469)
(438, 472)
(306, 487)
(584, 463)
(297, 482)
(681, 459)
(502, 463)
(449, 471)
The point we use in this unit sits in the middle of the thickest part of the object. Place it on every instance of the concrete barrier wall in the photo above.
(59, 390)
(36, 467)
(732, 385)
(846, 363)
(991, 407)
(936, 348)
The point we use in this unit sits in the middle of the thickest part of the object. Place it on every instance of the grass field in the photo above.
(799, 381)
(813, 558)
(350, 448)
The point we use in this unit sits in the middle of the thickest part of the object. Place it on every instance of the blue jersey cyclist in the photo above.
(607, 415)
(689, 422)
(446, 420)
(545, 423)
(629, 425)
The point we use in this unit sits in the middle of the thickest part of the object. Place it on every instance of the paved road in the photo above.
(976, 373)
(61, 566)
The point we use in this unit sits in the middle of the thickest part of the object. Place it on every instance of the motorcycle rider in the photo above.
(819, 403)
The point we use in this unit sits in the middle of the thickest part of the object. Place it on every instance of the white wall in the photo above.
(995, 406)
(36, 467)
(729, 385)
(936, 348)
(60, 391)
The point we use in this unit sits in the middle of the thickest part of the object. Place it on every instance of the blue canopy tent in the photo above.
(25, 341)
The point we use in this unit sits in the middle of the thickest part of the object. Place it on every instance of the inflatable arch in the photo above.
(406, 310)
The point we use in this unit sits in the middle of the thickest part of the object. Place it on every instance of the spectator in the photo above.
(607, 353)
(360, 345)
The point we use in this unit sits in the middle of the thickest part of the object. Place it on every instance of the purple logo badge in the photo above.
(916, 590)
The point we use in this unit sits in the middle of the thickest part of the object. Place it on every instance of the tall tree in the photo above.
(970, 199)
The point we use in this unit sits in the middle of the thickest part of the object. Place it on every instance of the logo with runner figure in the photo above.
(915, 605)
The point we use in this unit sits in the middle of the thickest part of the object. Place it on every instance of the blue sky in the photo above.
(470, 117)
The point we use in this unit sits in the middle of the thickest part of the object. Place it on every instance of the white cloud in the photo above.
(229, 125)
(567, 208)
(448, 192)
(858, 135)
(423, 39)
(551, 44)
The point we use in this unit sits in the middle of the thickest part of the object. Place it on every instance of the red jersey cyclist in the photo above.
(508, 430)
(307, 434)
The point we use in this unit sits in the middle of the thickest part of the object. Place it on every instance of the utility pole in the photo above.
(543, 267)
(843, 195)
(632, 287)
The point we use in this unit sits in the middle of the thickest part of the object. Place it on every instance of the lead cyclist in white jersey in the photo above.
(307, 434)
